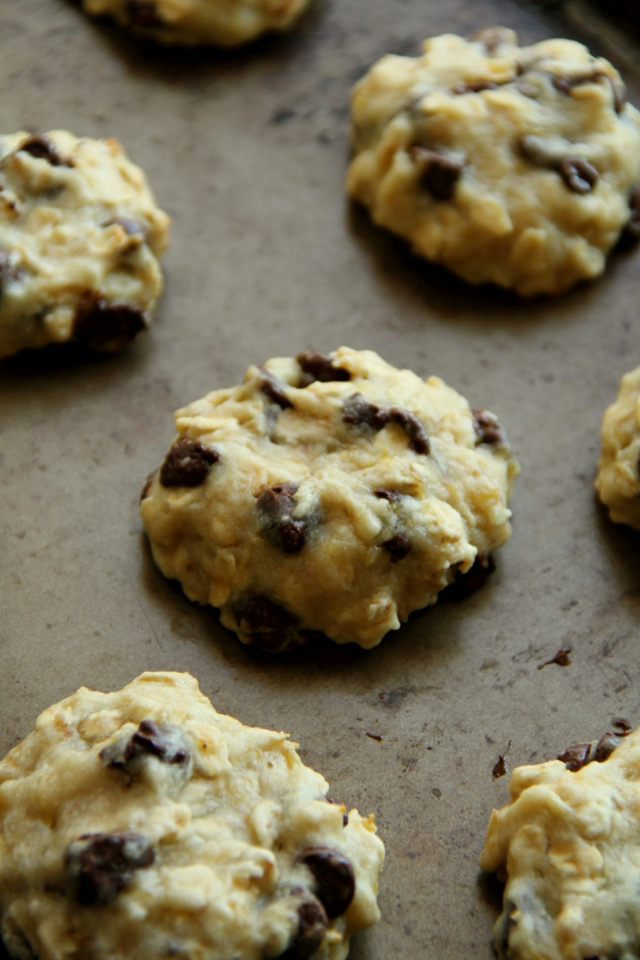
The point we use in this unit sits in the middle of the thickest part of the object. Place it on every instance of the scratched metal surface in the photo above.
(247, 152)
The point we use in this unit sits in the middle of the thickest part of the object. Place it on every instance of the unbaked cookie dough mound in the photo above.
(618, 476)
(143, 824)
(327, 493)
(518, 166)
(80, 237)
(225, 23)
(568, 846)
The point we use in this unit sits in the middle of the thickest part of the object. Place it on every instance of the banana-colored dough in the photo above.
(514, 165)
(334, 494)
(142, 824)
(80, 237)
(618, 477)
(568, 846)
(225, 23)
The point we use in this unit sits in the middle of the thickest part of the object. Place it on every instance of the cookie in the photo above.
(225, 23)
(328, 493)
(518, 166)
(568, 846)
(143, 824)
(80, 237)
(618, 476)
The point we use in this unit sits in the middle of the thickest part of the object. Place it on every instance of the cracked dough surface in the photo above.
(513, 165)
(618, 476)
(80, 237)
(568, 844)
(144, 824)
(334, 494)
(225, 23)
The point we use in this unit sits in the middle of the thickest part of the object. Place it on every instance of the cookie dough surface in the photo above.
(618, 476)
(144, 824)
(80, 237)
(518, 166)
(226, 23)
(568, 845)
(334, 494)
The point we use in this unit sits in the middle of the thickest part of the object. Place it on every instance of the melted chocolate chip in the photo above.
(44, 149)
(277, 505)
(566, 84)
(487, 427)
(417, 435)
(334, 879)
(142, 14)
(439, 175)
(398, 547)
(167, 743)
(266, 625)
(577, 756)
(466, 583)
(562, 658)
(475, 86)
(274, 389)
(577, 174)
(316, 366)
(99, 866)
(310, 932)
(360, 413)
(605, 747)
(106, 326)
(187, 464)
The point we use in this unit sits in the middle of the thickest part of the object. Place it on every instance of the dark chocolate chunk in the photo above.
(439, 175)
(165, 742)
(466, 583)
(106, 326)
(475, 86)
(310, 932)
(334, 879)
(577, 174)
(487, 427)
(393, 496)
(398, 547)
(316, 366)
(142, 14)
(277, 505)
(500, 767)
(562, 657)
(359, 412)
(99, 866)
(44, 149)
(418, 439)
(492, 38)
(273, 389)
(631, 231)
(266, 625)
(605, 747)
(577, 756)
(187, 464)
(375, 736)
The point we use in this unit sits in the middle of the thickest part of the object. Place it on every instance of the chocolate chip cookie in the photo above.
(328, 493)
(618, 476)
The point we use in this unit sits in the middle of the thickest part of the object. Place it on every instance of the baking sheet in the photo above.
(247, 152)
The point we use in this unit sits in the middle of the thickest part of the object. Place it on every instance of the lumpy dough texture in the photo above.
(80, 237)
(568, 845)
(513, 165)
(225, 23)
(144, 824)
(618, 477)
(334, 494)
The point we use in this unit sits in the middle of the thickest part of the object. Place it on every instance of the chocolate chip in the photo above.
(310, 932)
(316, 366)
(187, 464)
(274, 389)
(398, 547)
(412, 426)
(577, 174)
(621, 726)
(475, 86)
(43, 149)
(619, 92)
(487, 427)
(106, 326)
(393, 496)
(565, 84)
(99, 866)
(605, 747)
(438, 174)
(631, 231)
(492, 38)
(334, 879)
(277, 504)
(577, 756)
(266, 625)
(360, 413)
(466, 583)
(562, 658)
(142, 14)
(167, 743)
(500, 768)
